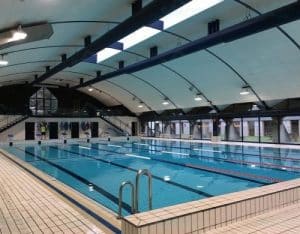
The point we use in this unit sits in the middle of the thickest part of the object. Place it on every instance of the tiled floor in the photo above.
(285, 220)
(28, 207)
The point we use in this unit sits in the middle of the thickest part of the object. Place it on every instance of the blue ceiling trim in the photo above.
(117, 45)
(158, 24)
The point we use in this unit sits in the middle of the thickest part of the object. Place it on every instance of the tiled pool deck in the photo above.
(28, 207)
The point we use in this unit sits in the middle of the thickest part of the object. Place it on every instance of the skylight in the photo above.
(106, 53)
(188, 10)
(138, 36)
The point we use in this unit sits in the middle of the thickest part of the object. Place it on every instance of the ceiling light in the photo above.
(198, 98)
(3, 62)
(90, 89)
(188, 10)
(138, 36)
(141, 105)
(106, 53)
(166, 102)
(245, 91)
(18, 35)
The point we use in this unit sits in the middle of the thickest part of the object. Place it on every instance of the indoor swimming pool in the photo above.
(182, 171)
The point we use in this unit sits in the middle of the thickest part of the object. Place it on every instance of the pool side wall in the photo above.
(207, 214)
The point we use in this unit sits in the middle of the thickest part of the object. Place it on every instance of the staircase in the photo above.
(118, 125)
(11, 121)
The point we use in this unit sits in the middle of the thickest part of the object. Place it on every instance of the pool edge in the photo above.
(211, 213)
(99, 215)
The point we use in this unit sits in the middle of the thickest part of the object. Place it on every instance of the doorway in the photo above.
(29, 130)
(53, 130)
(74, 130)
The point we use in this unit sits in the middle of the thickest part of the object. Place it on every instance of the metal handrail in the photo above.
(137, 178)
(121, 198)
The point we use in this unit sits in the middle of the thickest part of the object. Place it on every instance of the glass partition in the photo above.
(268, 130)
(289, 130)
(207, 129)
(251, 129)
(197, 130)
(175, 129)
(185, 129)
(235, 129)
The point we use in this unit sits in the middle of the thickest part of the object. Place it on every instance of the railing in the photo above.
(135, 192)
(119, 123)
(9, 119)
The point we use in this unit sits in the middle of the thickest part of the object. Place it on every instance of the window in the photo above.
(207, 129)
(43, 102)
(235, 130)
(269, 129)
(290, 130)
(251, 129)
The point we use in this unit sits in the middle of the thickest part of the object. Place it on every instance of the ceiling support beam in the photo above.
(147, 15)
(252, 26)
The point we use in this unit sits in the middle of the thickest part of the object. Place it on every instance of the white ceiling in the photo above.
(268, 61)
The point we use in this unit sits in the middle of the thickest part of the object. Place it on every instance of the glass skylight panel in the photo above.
(188, 10)
(106, 53)
(138, 36)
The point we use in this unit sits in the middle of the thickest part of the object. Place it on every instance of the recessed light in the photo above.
(245, 91)
(90, 89)
(18, 35)
(198, 98)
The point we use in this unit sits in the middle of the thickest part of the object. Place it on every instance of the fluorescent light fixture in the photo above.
(3, 62)
(18, 35)
(165, 103)
(140, 106)
(188, 10)
(167, 178)
(106, 53)
(245, 91)
(90, 89)
(138, 36)
(198, 98)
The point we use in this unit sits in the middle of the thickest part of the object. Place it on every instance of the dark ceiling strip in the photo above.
(227, 65)
(258, 24)
(128, 91)
(144, 81)
(42, 47)
(84, 21)
(30, 62)
(278, 27)
(151, 12)
(182, 77)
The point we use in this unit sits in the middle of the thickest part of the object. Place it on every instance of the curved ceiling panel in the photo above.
(268, 61)
(215, 80)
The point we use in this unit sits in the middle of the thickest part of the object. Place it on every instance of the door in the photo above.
(134, 128)
(94, 129)
(53, 130)
(74, 130)
(29, 131)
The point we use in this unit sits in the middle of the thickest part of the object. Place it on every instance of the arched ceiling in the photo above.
(268, 61)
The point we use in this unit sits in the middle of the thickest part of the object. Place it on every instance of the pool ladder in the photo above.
(135, 192)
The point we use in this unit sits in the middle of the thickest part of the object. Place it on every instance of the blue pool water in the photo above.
(182, 171)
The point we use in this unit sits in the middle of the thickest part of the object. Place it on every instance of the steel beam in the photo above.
(252, 26)
(150, 13)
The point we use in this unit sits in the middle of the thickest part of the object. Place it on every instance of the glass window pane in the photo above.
(175, 129)
(185, 129)
(251, 129)
(235, 130)
(207, 128)
(289, 130)
(269, 129)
